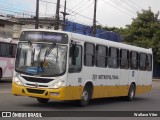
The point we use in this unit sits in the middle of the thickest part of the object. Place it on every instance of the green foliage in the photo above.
(144, 31)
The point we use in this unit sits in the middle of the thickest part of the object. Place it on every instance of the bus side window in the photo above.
(0, 50)
(149, 63)
(143, 61)
(101, 56)
(113, 59)
(134, 60)
(11, 50)
(89, 54)
(5, 50)
(124, 59)
(75, 61)
(14, 50)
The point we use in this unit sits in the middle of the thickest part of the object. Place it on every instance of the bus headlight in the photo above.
(17, 81)
(58, 84)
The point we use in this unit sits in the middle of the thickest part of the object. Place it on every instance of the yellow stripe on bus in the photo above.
(75, 92)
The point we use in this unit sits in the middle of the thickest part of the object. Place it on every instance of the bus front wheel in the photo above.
(131, 92)
(86, 94)
(42, 100)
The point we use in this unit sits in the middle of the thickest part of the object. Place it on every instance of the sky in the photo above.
(112, 13)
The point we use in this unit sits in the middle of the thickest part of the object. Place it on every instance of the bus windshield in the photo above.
(43, 59)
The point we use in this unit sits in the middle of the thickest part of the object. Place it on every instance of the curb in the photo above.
(156, 80)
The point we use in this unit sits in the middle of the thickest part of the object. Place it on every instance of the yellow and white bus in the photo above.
(68, 66)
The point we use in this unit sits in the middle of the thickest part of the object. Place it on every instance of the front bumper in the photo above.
(63, 93)
(38, 92)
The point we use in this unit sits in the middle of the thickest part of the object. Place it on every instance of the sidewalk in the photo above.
(156, 84)
(156, 79)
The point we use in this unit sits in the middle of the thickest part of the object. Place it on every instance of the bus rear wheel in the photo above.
(131, 92)
(42, 100)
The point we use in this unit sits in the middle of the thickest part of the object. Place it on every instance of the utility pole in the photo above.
(94, 18)
(37, 14)
(56, 26)
(64, 15)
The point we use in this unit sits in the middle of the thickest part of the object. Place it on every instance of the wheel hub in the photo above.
(85, 95)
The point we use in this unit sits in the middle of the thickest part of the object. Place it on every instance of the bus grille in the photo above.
(37, 80)
(35, 91)
(38, 85)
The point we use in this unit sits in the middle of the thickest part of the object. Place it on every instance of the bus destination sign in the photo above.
(41, 36)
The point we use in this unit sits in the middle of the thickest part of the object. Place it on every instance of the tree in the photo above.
(144, 31)
(113, 29)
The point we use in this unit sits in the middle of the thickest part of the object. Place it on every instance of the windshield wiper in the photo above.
(48, 51)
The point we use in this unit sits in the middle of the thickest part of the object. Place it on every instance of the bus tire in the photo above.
(42, 100)
(131, 92)
(86, 95)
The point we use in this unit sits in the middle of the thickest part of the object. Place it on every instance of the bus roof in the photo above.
(8, 40)
(109, 43)
(99, 41)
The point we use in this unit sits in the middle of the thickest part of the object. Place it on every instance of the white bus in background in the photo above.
(68, 66)
(7, 57)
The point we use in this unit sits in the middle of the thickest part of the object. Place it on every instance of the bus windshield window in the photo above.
(41, 59)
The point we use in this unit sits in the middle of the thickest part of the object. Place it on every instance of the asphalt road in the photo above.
(145, 102)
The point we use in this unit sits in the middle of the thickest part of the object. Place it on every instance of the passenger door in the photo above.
(74, 80)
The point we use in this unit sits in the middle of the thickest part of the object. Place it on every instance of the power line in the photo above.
(69, 4)
(10, 4)
(130, 5)
(68, 9)
(22, 12)
(82, 5)
(8, 7)
(123, 7)
(48, 2)
(135, 4)
(116, 8)
(86, 7)
(76, 13)
(78, 4)
(11, 10)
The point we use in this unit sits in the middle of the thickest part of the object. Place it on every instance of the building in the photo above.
(7, 27)
(11, 27)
